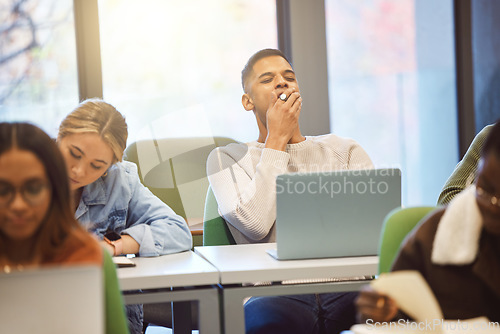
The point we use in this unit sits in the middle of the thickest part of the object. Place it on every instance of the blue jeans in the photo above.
(318, 313)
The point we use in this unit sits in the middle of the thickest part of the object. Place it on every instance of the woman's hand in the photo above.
(375, 306)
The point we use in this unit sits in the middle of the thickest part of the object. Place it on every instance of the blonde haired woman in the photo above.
(108, 195)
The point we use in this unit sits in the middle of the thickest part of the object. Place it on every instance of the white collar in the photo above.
(457, 236)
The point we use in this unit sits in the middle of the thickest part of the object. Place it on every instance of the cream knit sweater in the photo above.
(243, 178)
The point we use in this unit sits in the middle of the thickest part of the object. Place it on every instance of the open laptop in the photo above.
(52, 300)
(333, 214)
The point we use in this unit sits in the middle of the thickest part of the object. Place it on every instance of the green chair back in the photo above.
(174, 169)
(397, 224)
(169, 194)
(215, 230)
(116, 321)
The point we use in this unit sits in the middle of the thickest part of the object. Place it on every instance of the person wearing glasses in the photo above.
(37, 225)
(108, 197)
(457, 250)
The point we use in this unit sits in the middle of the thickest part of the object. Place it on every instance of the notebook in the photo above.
(333, 214)
(52, 300)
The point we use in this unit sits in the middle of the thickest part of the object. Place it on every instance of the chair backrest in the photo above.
(116, 321)
(397, 224)
(174, 169)
(215, 230)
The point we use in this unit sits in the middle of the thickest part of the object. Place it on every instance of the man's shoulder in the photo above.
(223, 157)
(481, 136)
(333, 140)
(232, 149)
(234, 146)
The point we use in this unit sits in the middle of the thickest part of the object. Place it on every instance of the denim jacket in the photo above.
(119, 202)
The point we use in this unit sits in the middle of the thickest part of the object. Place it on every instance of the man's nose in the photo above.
(281, 82)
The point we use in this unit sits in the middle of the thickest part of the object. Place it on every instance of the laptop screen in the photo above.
(333, 214)
(52, 300)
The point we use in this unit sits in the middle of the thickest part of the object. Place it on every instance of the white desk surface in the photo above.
(250, 263)
(173, 270)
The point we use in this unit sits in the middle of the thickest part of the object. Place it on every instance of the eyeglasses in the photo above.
(486, 197)
(33, 192)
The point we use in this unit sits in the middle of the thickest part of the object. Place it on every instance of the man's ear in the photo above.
(247, 102)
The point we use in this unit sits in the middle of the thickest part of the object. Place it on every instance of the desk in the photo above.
(180, 277)
(241, 264)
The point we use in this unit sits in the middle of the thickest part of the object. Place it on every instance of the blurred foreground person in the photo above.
(37, 225)
(457, 250)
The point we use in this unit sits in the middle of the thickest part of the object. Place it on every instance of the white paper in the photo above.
(411, 292)
(414, 297)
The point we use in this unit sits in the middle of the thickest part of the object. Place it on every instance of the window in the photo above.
(38, 71)
(173, 67)
(392, 87)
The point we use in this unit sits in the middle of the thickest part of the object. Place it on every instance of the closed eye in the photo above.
(96, 167)
(73, 154)
(266, 77)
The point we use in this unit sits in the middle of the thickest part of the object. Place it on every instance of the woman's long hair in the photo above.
(59, 220)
